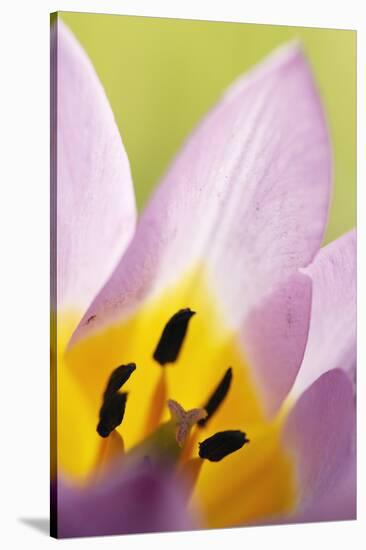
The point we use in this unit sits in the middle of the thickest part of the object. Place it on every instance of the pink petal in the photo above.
(141, 499)
(320, 433)
(248, 195)
(246, 202)
(92, 190)
(274, 337)
(332, 336)
(340, 504)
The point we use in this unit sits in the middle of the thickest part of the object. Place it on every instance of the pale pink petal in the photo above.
(246, 203)
(332, 336)
(274, 337)
(93, 205)
(337, 505)
(248, 196)
(141, 499)
(320, 434)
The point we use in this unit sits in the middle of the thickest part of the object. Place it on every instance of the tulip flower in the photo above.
(206, 351)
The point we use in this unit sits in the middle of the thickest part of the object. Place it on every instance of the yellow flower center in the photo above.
(254, 483)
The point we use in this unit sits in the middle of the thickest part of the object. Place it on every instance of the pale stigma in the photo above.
(184, 420)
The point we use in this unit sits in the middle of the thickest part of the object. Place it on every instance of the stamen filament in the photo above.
(157, 403)
(111, 449)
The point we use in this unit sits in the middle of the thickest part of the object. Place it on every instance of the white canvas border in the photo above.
(24, 257)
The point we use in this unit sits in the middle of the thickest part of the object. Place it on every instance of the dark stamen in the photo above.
(221, 444)
(217, 396)
(119, 376)
(114, 402)
(171, 340)
(111, 413)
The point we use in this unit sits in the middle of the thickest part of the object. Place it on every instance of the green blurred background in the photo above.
(162, 75)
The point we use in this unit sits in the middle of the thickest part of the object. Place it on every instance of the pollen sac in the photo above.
(113, 407)
(111, 413)
(217, 396)
(216, 447)
(119, 376)
(172, 338)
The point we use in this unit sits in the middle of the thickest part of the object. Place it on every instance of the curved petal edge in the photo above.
(92, 199)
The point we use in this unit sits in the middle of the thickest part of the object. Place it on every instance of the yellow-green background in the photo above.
(162, 75)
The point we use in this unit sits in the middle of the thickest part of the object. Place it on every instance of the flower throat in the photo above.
(112, 411)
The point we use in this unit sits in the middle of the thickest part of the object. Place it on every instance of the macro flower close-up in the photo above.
(205, 349)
